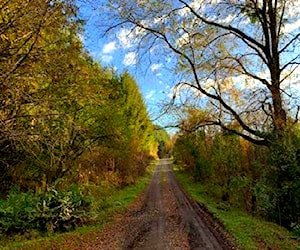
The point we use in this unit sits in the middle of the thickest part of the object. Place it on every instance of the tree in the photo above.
(249, 46)
(58, 107)
(33, 34)
(134, 126)
(19, 30)
(51, 95)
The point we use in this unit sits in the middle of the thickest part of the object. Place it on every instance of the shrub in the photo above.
(17, 213)
(51, 211)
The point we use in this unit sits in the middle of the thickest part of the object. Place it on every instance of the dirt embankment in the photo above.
(163, 217)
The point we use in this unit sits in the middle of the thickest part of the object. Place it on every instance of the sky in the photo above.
(153, 75)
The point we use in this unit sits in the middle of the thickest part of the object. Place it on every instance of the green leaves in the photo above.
(48, 212)
(264, 181)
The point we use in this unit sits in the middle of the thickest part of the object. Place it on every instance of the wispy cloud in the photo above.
(106, 58)
(125, 38)
(130, 59)
(150, 94)
(109, 47)
(155, 67)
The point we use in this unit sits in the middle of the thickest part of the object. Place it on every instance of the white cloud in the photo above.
(106, 58)
(150, 94)
(195, 4)
(229, 19)
(288, 28)
(109, 48)
(125, 38)
(128, 38)
(130, 59)
(82, 37)
(183, 40)
(155, 67)
(293, 9)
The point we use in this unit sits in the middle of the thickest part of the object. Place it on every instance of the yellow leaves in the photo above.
(230, 87)
(227, 84)
(195, 118)
(3, 37)
(244, 145)
(236, 95)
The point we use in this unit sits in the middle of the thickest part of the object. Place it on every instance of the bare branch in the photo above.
(251, 42)
(297, 115)
(284, 48)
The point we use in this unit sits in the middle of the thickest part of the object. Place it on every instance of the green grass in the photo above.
(248, 231)
(108, 201)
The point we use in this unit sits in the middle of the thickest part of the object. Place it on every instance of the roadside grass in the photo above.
(249, 232)
(107, 201)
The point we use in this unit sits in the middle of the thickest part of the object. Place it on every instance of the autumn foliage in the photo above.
(263, 181)
(64, 119)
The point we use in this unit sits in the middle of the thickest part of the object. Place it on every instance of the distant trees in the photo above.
(164, 142)
(126, 131)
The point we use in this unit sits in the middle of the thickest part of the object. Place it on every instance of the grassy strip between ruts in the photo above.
(108, 201)
(249, 232)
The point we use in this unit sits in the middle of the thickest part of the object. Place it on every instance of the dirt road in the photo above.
(162, 218)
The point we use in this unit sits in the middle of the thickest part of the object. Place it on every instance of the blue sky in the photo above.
(117, 51)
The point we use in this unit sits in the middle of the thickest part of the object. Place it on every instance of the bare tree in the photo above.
(240, 56)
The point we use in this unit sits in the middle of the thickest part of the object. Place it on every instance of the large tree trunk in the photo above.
(279, 114)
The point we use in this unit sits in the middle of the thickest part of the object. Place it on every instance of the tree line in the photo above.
(263, 181)
(64, 118)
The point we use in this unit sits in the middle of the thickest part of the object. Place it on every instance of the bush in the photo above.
(17, 213)
(51, 211)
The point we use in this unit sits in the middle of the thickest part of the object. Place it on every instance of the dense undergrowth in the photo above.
(249, 232)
